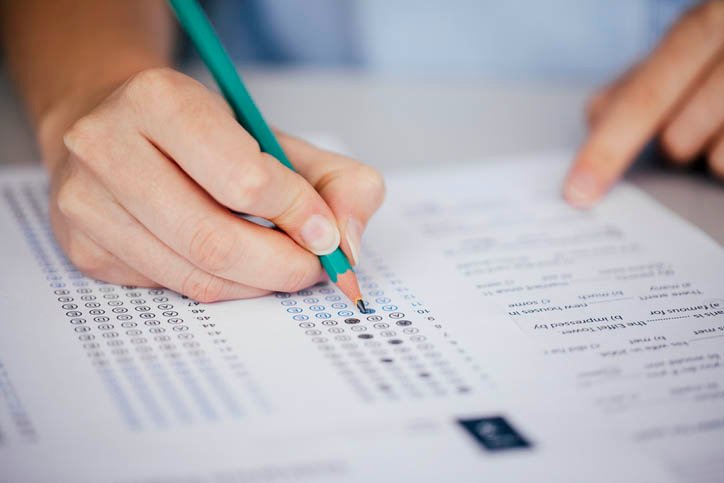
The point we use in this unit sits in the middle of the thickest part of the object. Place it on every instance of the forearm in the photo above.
(64, 55)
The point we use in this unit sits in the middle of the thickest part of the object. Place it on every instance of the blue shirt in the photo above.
(509, 40)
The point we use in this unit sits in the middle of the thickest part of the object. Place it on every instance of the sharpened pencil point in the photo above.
(362, 306)
(347, 283)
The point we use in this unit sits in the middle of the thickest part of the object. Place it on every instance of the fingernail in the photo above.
(320, 235)
(354, 238)
(582, 189)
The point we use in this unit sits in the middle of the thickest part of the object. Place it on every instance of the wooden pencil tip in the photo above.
(347, 283)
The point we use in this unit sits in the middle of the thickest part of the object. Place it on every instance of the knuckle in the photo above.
(70, 200)
(151, 83)
(246, 185)
(213, 248)
(85, 138)
(202, 287)
(371, 182)
(163, 93)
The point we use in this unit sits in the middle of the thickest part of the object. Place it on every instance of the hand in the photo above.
(676, 93)
(142, 196)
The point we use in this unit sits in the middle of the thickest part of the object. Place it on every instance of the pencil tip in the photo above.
(362, 306)
(347, 283)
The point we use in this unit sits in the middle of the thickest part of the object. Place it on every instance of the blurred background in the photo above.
(512, 40)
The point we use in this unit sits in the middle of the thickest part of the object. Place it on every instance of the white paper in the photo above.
(482, 281)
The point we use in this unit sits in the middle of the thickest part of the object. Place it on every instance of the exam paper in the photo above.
(513, 339)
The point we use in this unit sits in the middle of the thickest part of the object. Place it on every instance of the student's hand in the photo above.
(142, 196)
(676, 93)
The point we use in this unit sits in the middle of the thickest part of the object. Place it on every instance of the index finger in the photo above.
(198, 131)
(642, 104)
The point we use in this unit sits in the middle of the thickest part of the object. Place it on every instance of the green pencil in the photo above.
(196, 23)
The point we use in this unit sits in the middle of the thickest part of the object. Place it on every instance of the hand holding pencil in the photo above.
(143, 197)
(146, 164)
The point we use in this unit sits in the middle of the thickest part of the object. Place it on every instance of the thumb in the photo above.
(353, 190)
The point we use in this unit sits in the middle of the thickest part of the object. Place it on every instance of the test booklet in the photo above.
(512, 339)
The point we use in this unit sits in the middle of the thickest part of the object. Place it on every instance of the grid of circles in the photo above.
(382, 355)
(402, 292)
(133, 339)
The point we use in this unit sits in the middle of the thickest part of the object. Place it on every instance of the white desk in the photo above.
(403, 122)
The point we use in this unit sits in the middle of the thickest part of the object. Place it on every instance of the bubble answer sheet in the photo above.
(513, 338)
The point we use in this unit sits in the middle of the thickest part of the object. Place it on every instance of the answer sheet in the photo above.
(513, 339)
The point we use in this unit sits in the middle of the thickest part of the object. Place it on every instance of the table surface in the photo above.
(402, 122)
